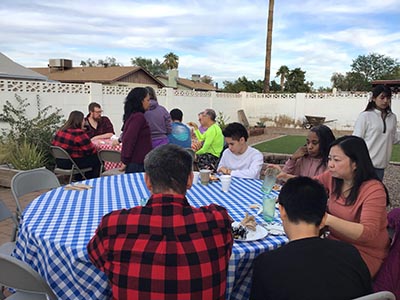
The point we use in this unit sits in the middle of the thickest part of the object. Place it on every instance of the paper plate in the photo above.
(260, 233)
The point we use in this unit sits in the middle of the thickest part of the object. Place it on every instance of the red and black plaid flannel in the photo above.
(75, 141)
(164, 250)
(103, 126)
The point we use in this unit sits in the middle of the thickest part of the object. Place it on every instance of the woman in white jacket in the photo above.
(377, 125)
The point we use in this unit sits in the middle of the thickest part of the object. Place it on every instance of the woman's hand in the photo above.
(284, 176)
(123, 168)
(351, 230)
(300, 152)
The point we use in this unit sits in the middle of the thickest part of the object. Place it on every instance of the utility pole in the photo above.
(268, 46)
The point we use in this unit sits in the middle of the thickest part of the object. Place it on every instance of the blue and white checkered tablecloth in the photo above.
(56, 227)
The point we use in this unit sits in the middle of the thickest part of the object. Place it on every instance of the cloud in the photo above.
(224, 39)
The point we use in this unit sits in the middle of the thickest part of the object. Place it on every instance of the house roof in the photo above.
(12, 70)
(191, 84)
(93, 74)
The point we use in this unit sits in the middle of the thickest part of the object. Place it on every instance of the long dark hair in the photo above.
(325, 137)
(74, 121)
(355, 148)
(376, 91)
(134, 102)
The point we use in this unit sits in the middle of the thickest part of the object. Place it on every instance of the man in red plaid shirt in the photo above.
(166, 249)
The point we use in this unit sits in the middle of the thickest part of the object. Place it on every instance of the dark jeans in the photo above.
(207, 161)
(134, 168)
(380, 173)
(83, 162)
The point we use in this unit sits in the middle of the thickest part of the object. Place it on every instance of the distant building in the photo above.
(63, 71)
(10, 70)
(195, 84)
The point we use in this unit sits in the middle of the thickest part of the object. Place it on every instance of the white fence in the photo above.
(344, 107)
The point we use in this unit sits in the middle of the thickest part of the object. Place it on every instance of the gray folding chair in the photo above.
(60, 153)
(5, 213)
(384, 295)
(26, 182)
(29, 285)
(110, 156)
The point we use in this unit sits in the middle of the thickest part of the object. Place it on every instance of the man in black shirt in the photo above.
(308, 267)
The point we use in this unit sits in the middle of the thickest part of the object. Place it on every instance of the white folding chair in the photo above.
(26, 182)
(29, 285)
(60, 153)
(384, 295)
(8, 247)
(110, 156)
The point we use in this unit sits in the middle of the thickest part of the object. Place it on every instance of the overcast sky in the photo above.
(224, 39)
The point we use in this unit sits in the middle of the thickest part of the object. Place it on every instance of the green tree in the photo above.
(206, 79)
(296, 82)
(154, 67)
(242, 84)
(374, 66)
(275, 87)
(351, 81)
(171, 61)
(283, 72)
(107, 62)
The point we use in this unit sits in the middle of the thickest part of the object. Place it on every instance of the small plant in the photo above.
(26, 156)
(222, 120)
(260, 124)
(37, 131)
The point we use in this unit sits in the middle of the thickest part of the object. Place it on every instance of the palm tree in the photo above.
(283, 72)
(171, 60)
(269, 44)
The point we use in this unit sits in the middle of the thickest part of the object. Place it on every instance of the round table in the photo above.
(56, 227)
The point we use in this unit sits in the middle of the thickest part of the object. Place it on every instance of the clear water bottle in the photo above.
(269, 201)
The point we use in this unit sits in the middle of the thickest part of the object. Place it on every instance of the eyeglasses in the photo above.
(98, 111)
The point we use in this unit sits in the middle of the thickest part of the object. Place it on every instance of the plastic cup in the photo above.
(269, 201)
(196, 176)
(205, 176)
(226, 182)
(269, 180)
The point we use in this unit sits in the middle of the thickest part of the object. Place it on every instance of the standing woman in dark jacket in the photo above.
(136, 139)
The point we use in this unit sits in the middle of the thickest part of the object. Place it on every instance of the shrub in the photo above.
(37, 131)
(222, 120)
(26, 156)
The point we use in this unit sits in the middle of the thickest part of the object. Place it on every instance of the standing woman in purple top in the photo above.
(159, 121)
(136, 140)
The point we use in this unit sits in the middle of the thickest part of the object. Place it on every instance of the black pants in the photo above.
(134, 168)
(83, 162)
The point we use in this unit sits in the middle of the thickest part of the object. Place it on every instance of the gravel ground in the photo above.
(392, 172)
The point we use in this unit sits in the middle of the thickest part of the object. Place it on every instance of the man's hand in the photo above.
(224, 171)
(123, 167)
(194, 125)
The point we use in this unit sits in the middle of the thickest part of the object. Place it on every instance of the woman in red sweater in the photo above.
(357, 200)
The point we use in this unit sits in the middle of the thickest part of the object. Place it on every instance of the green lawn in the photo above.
(289, 143)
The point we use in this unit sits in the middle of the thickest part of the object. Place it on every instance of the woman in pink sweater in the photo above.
(311, 159)
(357, 200)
